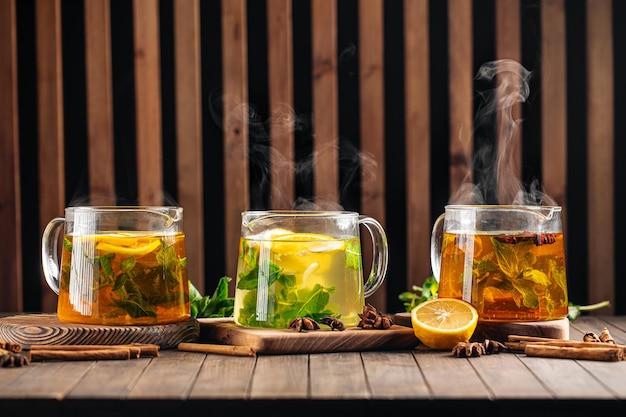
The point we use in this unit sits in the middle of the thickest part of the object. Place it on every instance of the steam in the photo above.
(495, 169)
(261, 152)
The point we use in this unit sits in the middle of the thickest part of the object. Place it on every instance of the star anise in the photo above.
(333, 323)
(373, 319)
(474, 349)
(303, 324)
(493, 346)
(12, 359)
(468, 349)
(591, 337)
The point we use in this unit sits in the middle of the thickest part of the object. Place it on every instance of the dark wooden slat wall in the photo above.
(99, 92)
(438, 55)
(10, 203)
(50, 121)
(325, 106)
(189, 132)
(601, 138)
(148, 102)
(281, 103)
(417, 121)
(508, 46)
(236, 169)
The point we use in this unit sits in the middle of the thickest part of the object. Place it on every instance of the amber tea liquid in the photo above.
(123, 278)
(507, 277)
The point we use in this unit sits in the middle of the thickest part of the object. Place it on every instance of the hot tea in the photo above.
(123, 278)
(507, 277)
(282, 275)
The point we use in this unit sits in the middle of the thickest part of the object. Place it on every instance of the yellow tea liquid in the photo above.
(507, 277)
(283, 275)
(124, 278)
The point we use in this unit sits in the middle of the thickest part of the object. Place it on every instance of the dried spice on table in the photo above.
(592, 347)
(10, 356)
(10, 346)
(371, 318)
(303, 324)
(333, 322)
(475, 349)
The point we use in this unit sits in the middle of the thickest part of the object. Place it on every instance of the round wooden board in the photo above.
(500, 331)
(46, 329)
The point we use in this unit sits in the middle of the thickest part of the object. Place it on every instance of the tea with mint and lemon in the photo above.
(282, 275)
(507, 277)
(123, 278)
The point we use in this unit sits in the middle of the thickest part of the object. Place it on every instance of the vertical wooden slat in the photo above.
(509, 128)
(372, 106)
(189, 132)
(325, 101)
(10, 207)
(554, 105)
(461, 93)
(99, 102)
(148, 102)
(280, 90)
(235, 81)
(601, 134)
(372, 120)
(417, 102)
(50, 121)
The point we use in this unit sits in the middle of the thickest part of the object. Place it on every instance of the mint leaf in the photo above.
(218, 305)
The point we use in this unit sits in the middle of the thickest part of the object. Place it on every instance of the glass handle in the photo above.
(380, 259)
(436, 245)
(50, 254)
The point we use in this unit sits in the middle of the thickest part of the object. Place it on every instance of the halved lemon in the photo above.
(441, 323)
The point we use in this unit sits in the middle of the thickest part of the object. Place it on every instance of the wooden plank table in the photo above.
(331, 383)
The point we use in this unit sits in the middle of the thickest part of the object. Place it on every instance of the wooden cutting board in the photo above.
(46, 329)
(286, 341)
(555, 329)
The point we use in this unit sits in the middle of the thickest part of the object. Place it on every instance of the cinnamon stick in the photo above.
(567, 352)
(519, 346)
(137, 350)
(78, 355)
(233, 350)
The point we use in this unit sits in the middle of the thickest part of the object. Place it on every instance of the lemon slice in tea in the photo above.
(129, 246)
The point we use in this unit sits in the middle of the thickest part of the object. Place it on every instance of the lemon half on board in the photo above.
(441, 323)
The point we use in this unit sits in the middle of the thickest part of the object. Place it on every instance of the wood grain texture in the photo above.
(335, 383)
(279, 341)
(460, 90)
(325, 101)
(509, 126)
(600, 153)
(50, 122)
(372, 120)
(418, 160)
(10, 206)
(46, 329)
(189, 145)
(281, 101)
(148, 102)
(236, 130)
(99, 85)
(554, 96)
(557, 329)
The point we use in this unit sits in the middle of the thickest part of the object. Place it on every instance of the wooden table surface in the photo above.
(414, 381)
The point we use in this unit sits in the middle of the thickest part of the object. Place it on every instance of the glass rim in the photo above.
(502, 207)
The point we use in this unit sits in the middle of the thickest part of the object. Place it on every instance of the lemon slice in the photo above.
(443, 322)
(298, 243)
(128, 250)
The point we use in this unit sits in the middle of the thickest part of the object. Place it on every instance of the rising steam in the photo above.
(494, 165)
